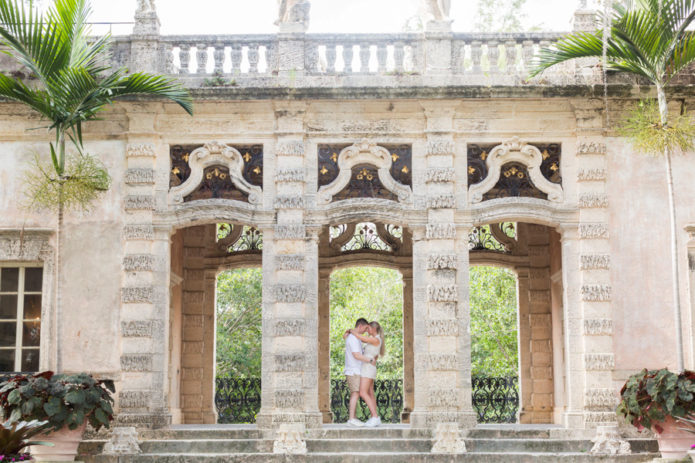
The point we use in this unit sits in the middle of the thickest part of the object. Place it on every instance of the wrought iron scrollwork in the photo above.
(496, 399)
(366, 236)
(238, 400)
(514, 182)
(495, 237)
(237, 238)
(389, 401)
(365, 183)
(216, 184)
(251, 154)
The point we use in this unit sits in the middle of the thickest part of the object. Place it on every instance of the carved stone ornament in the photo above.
(447, 439)
(124, 441)
(609, 442)
(289, 440)
(364, 152)
(517, 151)
(212, 154)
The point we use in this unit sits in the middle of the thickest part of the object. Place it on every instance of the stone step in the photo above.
(212, 432)
(223, 446)
(372, 445)
(549, 445)
(366, 457)
(381, 432)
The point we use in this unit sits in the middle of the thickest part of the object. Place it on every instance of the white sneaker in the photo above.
(373, 422)
(355, 423)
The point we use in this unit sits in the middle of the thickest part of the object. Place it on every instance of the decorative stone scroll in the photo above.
(215, 154)
(364, 153)
(289, 439)
(447, 439)
(609, 442)
(515, 151)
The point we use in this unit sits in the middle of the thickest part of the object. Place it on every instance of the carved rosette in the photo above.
(364, 153)
(215, 154)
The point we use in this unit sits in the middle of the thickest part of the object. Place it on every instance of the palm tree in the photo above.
(69, 82)
(650, 39)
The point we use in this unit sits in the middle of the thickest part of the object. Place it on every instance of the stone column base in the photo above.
(327, 417)
(274, 420)
(154, 420)
(420, 419)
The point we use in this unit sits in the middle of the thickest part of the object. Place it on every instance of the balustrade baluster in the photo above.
(398, 55)
(253, 58)
(185, 57)
(365, 55)
(511, 54)
(347, 58)
(218, 57)
(526, 55)
(236, 57)
(458, 65)
(477, 56)
(311, 57)
(330, 58)
(169, 61)
(201, 57)
(493, 56)
(381, 55)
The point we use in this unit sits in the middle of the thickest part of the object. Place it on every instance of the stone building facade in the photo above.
(475, 145)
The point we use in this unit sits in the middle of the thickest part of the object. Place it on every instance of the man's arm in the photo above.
(363, 358)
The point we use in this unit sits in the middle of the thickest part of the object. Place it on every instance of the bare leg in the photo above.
(366, 385)
(354, 397)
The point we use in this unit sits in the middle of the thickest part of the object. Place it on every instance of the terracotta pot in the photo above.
(65, 443)
(674, 442)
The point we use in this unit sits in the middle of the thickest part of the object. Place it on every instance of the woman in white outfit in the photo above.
(374, 348)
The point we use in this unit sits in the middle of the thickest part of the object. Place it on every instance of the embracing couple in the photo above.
(361, 353)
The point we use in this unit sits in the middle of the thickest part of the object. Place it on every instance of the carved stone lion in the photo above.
(293, 11)
(437, 10)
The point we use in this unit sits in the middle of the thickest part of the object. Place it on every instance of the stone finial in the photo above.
(293, 15)
(436, 15)
(584, 19)
(289, 440)
(146, 19)
(609, 442)
(447, 439)
(124, 441)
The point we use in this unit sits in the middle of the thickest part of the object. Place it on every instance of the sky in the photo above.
(358, 16)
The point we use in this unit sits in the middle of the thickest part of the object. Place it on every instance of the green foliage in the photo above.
(16, 437)
(493, 305)
(377, 295)
(649, 136)
(62, 400)
(649, 396)
(70, 85)
(239, 310)
(84, 178)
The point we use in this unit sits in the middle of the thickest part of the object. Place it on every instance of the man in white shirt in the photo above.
(354, 356)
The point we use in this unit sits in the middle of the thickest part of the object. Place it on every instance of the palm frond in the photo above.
(682, 56)
(16, 90)
(148, 84)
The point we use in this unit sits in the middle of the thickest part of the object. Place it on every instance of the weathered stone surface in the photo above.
(442, 262)
(442, 362)
(440, 231)
(601, 399)
(591, 175)
(135, 295)
(289, 328)
(609, 442)
(443, 398)
(595, 262)
(441, 202)
(138, 262)
(593, 231)
(140, 150)
(290, 175)
(440, 148)
(591, 147)
(136, 362)
(446, 293)
(593, 200)
(138, 232)
(290, 293)
(134, 399)
(123, 441)
(599, 362)
(442, 327)
(289, 399)
(289, 202)
(598, 327)
(137, 328)
(440, 175)
(447, 438)
(139, 203)
(139, 177)
(290, 262)
(290, 232)
(596, 293)
(290, 362)
(290, 148)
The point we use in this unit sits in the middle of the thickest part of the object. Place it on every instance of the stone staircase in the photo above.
(386, 444)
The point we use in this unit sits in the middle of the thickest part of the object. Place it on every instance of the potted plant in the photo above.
(66, 402)
(656, 400)
(15, 439)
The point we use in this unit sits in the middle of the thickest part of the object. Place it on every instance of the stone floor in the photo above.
(386, 444)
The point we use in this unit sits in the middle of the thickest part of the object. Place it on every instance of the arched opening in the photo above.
(516, 267)
(214, 374)
(376, 294)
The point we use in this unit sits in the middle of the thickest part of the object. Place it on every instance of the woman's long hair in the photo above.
(379, 333)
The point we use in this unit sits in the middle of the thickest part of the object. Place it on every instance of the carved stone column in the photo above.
(408, 353)
(525, 381)
(440, 278)
(290, 288)
(143, 387)
(324, 341)
(691, 281)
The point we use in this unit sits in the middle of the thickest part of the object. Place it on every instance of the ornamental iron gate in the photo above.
(495, 400)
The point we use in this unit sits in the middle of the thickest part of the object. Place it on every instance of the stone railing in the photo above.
(347, 60)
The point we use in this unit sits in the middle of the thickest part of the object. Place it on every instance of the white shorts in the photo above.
(368, 371)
